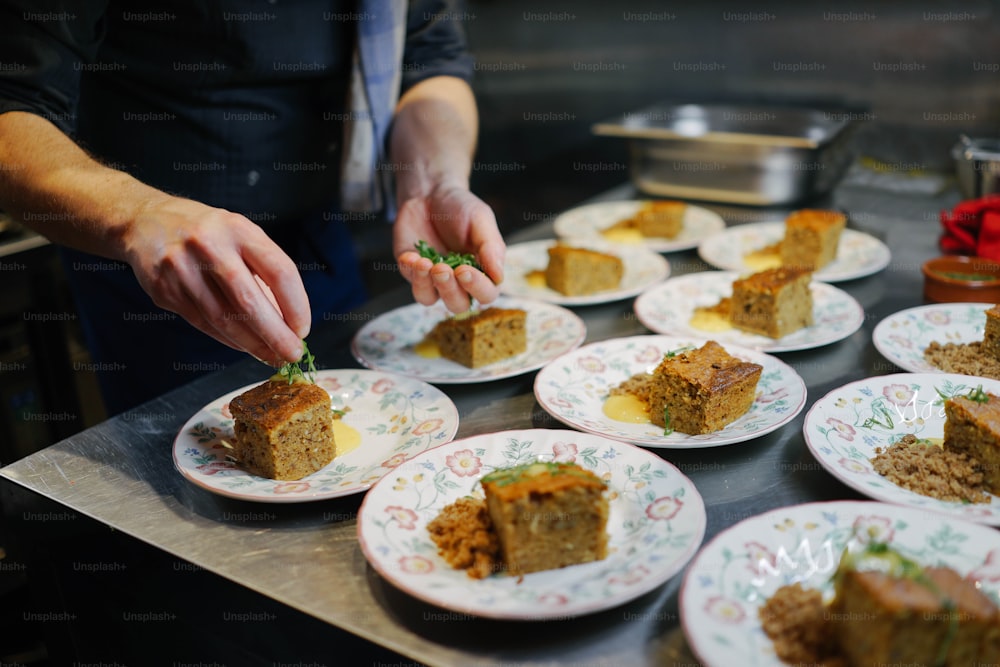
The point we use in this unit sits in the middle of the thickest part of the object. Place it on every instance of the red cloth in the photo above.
(973, 228)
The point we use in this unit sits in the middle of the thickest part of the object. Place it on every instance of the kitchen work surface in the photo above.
(304, 559)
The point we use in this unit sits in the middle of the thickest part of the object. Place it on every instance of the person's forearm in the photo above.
(56, 189)
(434, 137)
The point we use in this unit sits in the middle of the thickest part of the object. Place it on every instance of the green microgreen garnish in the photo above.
(667, 428)
(452, 259)
(293, 370)
(673, 353)
(978, 395)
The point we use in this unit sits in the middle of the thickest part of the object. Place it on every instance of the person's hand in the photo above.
(450, 219)
(220, 272)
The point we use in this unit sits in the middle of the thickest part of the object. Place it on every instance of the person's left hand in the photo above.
(450, 219)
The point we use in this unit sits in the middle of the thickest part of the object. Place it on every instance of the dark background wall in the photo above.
(925, 71)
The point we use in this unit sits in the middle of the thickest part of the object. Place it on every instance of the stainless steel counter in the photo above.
(306, 556)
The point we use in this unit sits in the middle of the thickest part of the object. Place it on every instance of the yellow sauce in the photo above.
(626, 408)
(623, 235)
(768, 257)
(347, 437)
(428, 349)
(707, 320)
(535, 278)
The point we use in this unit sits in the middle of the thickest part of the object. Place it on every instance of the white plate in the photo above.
(656, 524)
(386, 343)
(589, 220)
(397, 418)
(667, 308)
(858, 254)
(902, 337)
(643, 268)
(843, 428)
(573, 389)
(738, 570)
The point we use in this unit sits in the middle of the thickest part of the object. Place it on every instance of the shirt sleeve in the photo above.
(44, 47)
(435, 42)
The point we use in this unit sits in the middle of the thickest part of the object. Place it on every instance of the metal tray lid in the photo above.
(794, 126)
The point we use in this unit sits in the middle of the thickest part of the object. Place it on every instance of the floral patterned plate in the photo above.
(656, 523)
(735, 573)
(668, 307)
(396, 418)
(386, 343)
(858, 254)
(902, 337)
(573, 389)
(643, 268)
(843, 428)
(589, 220)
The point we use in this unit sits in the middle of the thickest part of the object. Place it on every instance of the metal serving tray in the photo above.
(755, 155)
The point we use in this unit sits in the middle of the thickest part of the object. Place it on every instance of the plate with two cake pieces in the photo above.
(953, 332)
(580, 272)
(926, 440)
(655, 522)
(698, 305)
(886, 558)
(626, 389)
(757, 246)
(659, 225)
(380, 420)
(431, 344)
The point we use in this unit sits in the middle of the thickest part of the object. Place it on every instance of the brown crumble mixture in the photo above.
(964, 358)
(794, 618)
(931, 471)
(463, 533)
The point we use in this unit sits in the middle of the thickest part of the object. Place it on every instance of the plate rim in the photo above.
(607, 296)
(700, 444)
(503, 301)
(197, 480)
(771, 348)
(693, 494)
(885, 322)
(718, 223)
(865, 491)
(884, 253)
(812, 506)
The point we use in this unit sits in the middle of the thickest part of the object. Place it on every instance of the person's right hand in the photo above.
(220, 272)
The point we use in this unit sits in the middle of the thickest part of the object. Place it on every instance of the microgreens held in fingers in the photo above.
(452, 259)
(293, 370)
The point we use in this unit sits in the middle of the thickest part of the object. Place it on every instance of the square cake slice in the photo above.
(908, 616)
(702, 390)
(482, 338)
(547, 515)
(972, 426)
(579, 271)
(774, 302)
(661, 218)
(283, 431)
(991, 334)
(811, 238)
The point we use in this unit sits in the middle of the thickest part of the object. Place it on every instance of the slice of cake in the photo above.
(811, 238)
(577, 271)
(547, 515)
(972, 426)
(702, 390)
(661, 218)
(774, 302)
(888, 609)
(991, 334)
(482, 338)
(283, 430)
